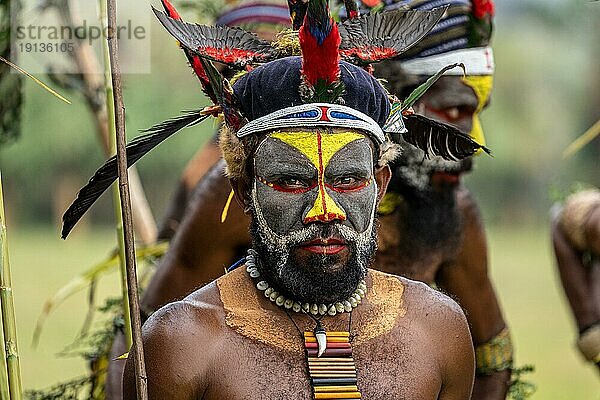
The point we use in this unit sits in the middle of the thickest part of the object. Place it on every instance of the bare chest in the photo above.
(386, 370)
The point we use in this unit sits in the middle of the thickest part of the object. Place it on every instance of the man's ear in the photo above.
(241, 191)
(382, 177)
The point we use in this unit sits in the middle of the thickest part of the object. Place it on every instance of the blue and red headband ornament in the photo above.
(327, 84)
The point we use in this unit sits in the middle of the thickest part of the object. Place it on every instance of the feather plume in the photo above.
(195, 62)
(297, 12)
(231, 46)
(375, 37)
(107, 173)
(320, 41)
(439, 139)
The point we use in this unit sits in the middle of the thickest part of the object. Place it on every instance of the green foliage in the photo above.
(96, 344)
(521, 389)
(93, 347)
(421, 89)
(75, 389)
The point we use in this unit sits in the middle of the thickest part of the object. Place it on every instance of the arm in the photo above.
(580, 282)
(466, 279)
(576, 279)
(455, 352)
(199, 252)
(178, 342)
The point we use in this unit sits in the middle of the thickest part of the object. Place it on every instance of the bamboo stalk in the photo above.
(111, 138)
(128, 237)
(9, 323)
(4, 393)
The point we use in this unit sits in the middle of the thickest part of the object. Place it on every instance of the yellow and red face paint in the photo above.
(319, 148)
(482, 86)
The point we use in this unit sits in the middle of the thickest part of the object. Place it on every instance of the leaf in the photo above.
(582, 140)
(36, 80)
(418, 92)
(86, 278)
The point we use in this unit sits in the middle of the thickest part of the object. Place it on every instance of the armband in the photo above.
(495, 355)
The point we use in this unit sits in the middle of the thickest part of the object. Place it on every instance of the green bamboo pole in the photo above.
(110, 108)
(9, 323)
(4, 393)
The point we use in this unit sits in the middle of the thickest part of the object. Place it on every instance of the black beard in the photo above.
(312, 283)
(431, 222)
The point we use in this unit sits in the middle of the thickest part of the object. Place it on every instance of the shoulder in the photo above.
(432, 307)
(444, 325)
(428, 307)
(180, 342)
(440, 318)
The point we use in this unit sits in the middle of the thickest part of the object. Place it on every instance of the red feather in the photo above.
(369, 53)
(320, 61)
(193, 59)
(170, 9)
(483, 8)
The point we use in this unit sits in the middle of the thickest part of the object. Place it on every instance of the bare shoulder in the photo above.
(442, 323)
(432, 308)
(180, 343)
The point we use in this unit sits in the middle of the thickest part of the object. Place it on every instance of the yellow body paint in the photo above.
(319, 148)
(482, 86)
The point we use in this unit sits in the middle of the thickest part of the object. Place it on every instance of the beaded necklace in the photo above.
(331, 367)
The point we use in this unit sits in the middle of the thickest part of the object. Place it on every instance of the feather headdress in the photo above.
(325, 46)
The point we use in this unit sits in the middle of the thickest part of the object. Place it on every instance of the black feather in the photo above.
(364, 38)
(439, 139)
(107, 173)
(229, 45)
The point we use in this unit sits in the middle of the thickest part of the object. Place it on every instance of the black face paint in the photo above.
(313, 207)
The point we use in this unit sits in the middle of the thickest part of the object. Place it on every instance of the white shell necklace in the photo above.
(309, 308)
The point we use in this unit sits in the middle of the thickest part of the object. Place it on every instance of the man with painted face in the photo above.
(431, 226)
(304, 317)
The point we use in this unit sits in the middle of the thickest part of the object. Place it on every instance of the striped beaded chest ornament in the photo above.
(331, 367)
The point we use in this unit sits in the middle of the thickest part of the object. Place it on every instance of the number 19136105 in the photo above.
(44, 47)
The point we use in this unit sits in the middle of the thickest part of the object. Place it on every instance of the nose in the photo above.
(324, 209)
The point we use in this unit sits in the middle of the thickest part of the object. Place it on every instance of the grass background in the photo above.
(522, 269)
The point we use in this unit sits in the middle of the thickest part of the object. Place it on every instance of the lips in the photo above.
(325, 246)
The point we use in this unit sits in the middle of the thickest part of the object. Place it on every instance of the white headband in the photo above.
(477, 61)
(314, 115)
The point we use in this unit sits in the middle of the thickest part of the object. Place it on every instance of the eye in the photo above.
(292, 183)
(454, 114)
(348, 183)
